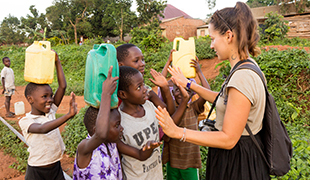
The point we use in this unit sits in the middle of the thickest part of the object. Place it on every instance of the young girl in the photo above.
(97, 156)
(232, 153)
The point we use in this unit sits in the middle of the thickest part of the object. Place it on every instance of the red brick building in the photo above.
(179, 24)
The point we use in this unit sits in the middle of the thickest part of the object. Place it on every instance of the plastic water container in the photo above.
(185, 52)
(39, 63)
(98, 62)
(19, 108)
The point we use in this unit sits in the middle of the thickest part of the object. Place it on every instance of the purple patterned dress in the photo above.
(101, 165)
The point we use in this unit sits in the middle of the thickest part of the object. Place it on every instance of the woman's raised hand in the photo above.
(177, 75)
(166, 122)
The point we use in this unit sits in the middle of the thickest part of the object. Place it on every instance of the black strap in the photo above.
(224, 84)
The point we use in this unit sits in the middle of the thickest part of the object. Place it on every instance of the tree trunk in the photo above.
(121, 30)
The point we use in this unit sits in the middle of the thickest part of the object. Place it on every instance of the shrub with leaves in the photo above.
(275, 27)
(203, 49)
(74, 132)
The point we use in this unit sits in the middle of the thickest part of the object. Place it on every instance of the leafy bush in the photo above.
(275, 27)
(74, 132)
(148, 38)
(12, 145)
(203, 49)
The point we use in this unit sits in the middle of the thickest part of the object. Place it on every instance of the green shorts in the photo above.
(184, 174)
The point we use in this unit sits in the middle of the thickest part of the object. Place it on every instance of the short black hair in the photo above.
(5, 58)
(122, 51)
(31, 87)
(90, 118)
(125, 77)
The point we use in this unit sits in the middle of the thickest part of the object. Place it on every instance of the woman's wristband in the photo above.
(188, 85)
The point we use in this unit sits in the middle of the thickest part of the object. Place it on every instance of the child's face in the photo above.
(41, 100)
(137, 92)
(177, 94)
(115, 130)
(7, 62)
(135, 59)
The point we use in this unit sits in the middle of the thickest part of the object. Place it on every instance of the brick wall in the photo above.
(181, 27)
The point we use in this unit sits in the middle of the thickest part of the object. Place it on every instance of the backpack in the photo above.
(277, 144)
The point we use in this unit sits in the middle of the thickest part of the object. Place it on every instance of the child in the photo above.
(7, 79)
(140, 125)
(40, 128)
(97, 156)
(183, 158)
(131, 55)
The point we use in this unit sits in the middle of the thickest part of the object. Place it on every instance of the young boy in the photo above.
(140, 125)
(183, 158)
(40, 128)
(131, 55)
(97, 156)
(7, 79)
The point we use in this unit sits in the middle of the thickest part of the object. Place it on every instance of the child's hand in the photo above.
(159, 79)
(195, 63)
(151, 145)
(170, 56)
(73, 106)
(183, 91)
(109, 85)
(56, 56)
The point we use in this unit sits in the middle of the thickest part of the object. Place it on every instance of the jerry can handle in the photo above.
(101, 48)
(46, 43)
(175, 42)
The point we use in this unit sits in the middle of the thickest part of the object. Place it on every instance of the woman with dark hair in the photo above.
(232, 153)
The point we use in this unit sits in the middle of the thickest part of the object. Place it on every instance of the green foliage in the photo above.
(156, 60)
(75, 132)
(275, 27)
(148, 38)
(9, 31)
(288, 78)
(150, 10)
(12, 145)
(300, 163)
(296, 42)
(203, 49)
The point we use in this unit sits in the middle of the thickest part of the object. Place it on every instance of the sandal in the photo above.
(10, 115)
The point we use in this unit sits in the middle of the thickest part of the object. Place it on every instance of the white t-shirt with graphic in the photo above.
(137, 131)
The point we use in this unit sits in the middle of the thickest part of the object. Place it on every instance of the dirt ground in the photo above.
(207, 67)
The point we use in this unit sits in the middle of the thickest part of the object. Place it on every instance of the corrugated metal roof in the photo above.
(172, 12)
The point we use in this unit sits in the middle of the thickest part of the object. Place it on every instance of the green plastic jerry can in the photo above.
(98, 62)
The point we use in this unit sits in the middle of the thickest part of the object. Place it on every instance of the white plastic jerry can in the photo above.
(19, 108)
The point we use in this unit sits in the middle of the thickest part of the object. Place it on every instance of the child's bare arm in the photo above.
(62, 83)
(160, 81)
(164, 72)
(86, 147)
(51, 125)
(3, 84)
(195, 63)
(204, 82)
(177, 116)
(143, 154)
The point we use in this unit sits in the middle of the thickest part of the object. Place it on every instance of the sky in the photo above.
(194, 8)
